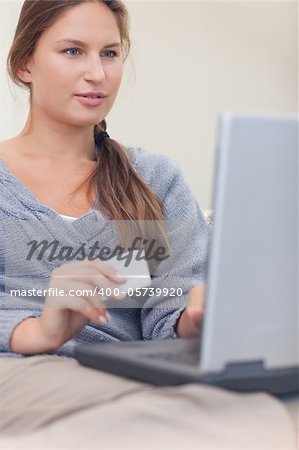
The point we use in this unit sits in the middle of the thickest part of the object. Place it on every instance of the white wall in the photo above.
(189, 61)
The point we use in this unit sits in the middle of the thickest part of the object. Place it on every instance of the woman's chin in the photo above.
(88, 122)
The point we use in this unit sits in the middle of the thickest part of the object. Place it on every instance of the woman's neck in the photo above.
(64, 144)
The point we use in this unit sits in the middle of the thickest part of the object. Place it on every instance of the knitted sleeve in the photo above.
(13, 310)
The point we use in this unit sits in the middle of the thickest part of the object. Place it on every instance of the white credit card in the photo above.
(135, 271)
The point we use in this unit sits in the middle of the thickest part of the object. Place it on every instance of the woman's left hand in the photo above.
(189, 323)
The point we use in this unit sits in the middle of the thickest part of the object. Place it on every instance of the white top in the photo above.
(69, 218)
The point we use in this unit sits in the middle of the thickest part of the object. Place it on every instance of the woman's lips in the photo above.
(90, 101)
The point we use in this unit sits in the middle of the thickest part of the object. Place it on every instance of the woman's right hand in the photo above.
(64, 316)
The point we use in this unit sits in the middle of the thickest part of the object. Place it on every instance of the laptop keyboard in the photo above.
(189, 358)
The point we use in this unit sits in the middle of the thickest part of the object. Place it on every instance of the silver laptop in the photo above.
(249, 334)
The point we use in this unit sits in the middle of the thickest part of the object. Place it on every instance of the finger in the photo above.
(102, 282)
(109, 289)
(88, 270)
(110, 271)
(106, 268)
(73, 294)
(82, 306)
(189, 326)
(195, 316)
(196, 297)
(90, 277)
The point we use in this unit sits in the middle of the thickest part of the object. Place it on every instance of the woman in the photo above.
(63, 165)
(52, 157)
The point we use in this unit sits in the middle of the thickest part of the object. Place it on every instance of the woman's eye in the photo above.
(111, 51)
(71, 50)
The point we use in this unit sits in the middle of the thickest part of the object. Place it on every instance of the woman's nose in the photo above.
(94, 69)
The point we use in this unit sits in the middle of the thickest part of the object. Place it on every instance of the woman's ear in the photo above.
(24, 73)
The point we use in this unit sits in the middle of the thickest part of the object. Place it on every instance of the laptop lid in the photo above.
(251, 311)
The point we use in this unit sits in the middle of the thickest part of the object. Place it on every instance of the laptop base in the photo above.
(174, 362)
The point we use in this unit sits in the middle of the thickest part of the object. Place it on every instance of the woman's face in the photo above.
(59, 70)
